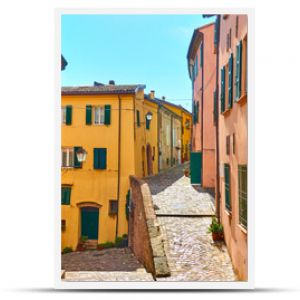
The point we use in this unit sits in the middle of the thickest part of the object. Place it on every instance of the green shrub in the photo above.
(125, 236)
(84, 238)
(119, 241)
(106, 245)
(67, 250)
(215, 226)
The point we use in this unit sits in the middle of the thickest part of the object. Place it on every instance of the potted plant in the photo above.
(186, 172)
(217, 230)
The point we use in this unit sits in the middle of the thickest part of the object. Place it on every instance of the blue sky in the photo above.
(145, 49)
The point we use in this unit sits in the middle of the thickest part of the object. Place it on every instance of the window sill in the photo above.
(228, 212)
(226, 112)
(68, 168)
(243, 229)
(242, 99)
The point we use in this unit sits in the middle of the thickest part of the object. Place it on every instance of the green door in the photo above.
(90, 222)
(196, 167)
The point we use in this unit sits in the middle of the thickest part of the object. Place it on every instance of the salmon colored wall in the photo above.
(234, 121)
(206, 110)
(97, 186)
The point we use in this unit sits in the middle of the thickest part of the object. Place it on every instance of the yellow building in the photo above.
(186, 131)
(102, 120)
(146, 138)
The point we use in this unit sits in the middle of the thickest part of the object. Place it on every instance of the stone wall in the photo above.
(145, 238)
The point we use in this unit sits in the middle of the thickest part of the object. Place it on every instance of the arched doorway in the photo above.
(143, 161)
(149, 160)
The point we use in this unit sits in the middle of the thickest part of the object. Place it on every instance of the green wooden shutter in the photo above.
(147, 124)
(242, 177)
(107, 109)
(65, 195)
(238, 76)
(138, 121)
(100, 157)
(215, 107)
(88, 115)
(223, 89)
(201, 55)
(227, 186)
(230, 80)
(216, 33)
(77, 164)
(68, 114)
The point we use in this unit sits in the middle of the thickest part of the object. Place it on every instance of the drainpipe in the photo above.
(119, 163)
(202, 107)
(217, 190)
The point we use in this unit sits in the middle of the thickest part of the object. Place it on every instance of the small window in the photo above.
(63, 225)
(98, 115)
(153, 157)
(113, 207)
(67, 156)
(233, 143)
(228, 144)
(237, 26)
(65, 195)
(242, 169)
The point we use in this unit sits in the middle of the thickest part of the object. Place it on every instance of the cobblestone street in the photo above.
(184, 214)
(116, 264)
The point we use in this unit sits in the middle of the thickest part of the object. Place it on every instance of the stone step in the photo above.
(108, 276)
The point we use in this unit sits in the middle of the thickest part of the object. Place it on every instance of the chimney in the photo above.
(111, 82)
(152, 95)
(163, 98)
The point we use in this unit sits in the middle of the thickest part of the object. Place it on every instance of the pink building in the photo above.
(232, 125)
(202, 70)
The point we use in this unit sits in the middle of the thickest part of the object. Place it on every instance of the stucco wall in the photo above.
(233, 121)
(145, 238)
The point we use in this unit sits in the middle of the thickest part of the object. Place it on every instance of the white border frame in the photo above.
(59, 284)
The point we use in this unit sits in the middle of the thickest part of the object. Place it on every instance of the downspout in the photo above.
(119, 163)
(217, 190)
(202, 107)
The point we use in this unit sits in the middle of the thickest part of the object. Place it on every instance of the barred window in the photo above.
(227, 186)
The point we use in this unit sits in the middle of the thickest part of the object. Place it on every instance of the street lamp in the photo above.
(81, 155)
(149, 116)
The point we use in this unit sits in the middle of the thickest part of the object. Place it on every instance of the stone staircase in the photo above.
(91, 244)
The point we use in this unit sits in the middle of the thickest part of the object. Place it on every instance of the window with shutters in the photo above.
(244, 67)
(223, 89)
(242, 177)
(227, 187)
(100, 156)
(67, 157)
(63, 115)
(65, 195)
(138, 120)
(238, 71)
(230, 81)
(113, 207)
(98, 115)
(66, 114)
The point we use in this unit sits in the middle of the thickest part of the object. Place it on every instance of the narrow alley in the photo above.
(184, 214)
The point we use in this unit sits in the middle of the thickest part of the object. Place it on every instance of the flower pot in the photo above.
(217, 236)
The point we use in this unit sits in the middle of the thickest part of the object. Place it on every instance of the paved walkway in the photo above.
(115, 264)
(185, 214)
